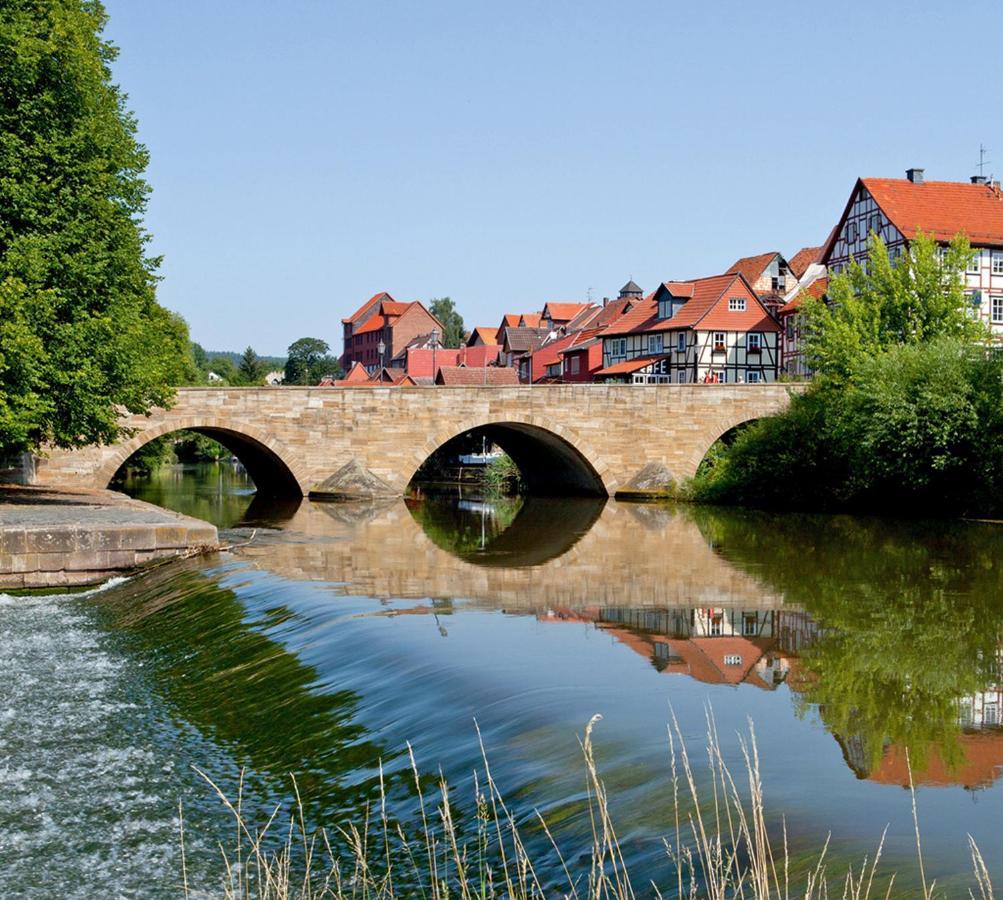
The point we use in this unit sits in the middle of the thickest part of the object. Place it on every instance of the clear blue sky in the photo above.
(308, 153)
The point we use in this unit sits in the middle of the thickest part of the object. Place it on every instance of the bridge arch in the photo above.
(714, 430)
(551, 458)
(269, 464)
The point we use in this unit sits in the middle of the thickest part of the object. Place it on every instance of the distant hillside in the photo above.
(271, 362)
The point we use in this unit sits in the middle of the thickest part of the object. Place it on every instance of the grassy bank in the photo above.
(724, 846)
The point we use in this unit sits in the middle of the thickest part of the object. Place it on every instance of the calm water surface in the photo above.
(337, 633)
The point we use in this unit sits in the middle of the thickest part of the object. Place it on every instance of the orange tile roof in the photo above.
(706, 310)
(373, 323)
(480, 375)
(376, 298)
(938, 208)
(631, 365)
(487, 335)
(356, 375)
(549, 354)
(530, 320)
(942, 208)
(752, 267)
(393, 308)
(816, 289)
(564, 312)
(800, 261)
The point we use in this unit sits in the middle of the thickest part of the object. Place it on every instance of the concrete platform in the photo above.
(51, 537)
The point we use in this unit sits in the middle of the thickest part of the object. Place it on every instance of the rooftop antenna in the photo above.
(589, 293)
(983, 150)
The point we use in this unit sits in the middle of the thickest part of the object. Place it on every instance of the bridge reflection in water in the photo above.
(849, 615)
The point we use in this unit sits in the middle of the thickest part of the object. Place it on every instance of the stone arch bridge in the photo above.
(567, 439)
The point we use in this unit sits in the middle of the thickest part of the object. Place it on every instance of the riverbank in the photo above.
(51, 537)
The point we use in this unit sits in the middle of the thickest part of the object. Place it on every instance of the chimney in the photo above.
(914, 175)
(980, 179)
(605, 300)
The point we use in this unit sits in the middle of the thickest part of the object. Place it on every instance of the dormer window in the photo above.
(736, 304)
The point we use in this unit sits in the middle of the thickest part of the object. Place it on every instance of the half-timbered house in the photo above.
(897, 209)
(707, 330)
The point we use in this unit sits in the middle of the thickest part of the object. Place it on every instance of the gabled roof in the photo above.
(706, 309)
(530, 320)
(390, 312)
(521, 340)
(481, 375)
(563, 312)
(800, 261)
(549, 354)
(937, 208)
(752, 267)
(368, 305)
(631, 288)
(486, 334)
(356, 375)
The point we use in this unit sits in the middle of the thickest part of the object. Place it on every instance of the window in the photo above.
(681, 376)
(753, 342)
(719, 342)
(655, 343)
(573, 364)
(996, 311)
(750, 624)
(722, 376)
(736, 304)
(998, 264)
(681, 342)
(851, 231)
(778, 283)
(665, 309)
(618, 347)
(975, 264)
(715, 625)
(874, 223)
(991, 714)
(752, 377)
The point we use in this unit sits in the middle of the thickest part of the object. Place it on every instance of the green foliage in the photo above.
(452, 322)
(906, 413)
(78, 287)
(251, 368)
(192, 447)
(151, 456)
(502, 477)
(309, 361)
(882, 305)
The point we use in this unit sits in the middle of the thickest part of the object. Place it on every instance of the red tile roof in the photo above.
(564, 312)
(372, 301)
(481, 375)
(530, 320)
(938, 208)
(356, 375)
(752, 267)
(816, 289)
(548, 355)
(800, 261)
(631, 365)
(707, 310)
(487, 335)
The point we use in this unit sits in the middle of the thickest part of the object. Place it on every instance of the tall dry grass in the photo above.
(723, 847)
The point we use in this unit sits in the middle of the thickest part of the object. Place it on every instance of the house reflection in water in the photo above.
(713, 645)
(761, 648)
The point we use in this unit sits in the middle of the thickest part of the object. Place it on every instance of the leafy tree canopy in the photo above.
(452, 322)
(309, 361)
(82, 333)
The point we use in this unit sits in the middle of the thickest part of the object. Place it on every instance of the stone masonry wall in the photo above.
(618, 430)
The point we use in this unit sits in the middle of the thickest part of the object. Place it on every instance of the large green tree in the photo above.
(452, 322)
(82, 332)
(309, 361)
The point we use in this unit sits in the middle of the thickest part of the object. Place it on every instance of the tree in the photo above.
(251, 368)
(83, 334)
(308, 362)
(452, 322)
(917, 297)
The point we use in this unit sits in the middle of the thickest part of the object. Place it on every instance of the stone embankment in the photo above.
(73, 537)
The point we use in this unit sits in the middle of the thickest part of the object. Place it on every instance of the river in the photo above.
(329, 636)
